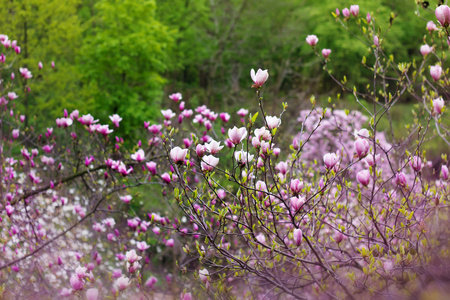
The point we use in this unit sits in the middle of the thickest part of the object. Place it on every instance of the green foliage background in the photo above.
(126, 56)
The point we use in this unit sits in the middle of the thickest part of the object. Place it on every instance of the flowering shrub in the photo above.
(342, 211)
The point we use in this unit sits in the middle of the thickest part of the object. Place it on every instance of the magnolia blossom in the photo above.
(209, 162)
(237, 135)
(122, 283)
(273, 122)
(203, 275)
(259, 78)
(443, 15)
(368, 18)
(25, 73)
(297, 202)
(176, 97)
(126, 198)
(354, 10)
(436, 72)
(115, 119)
(416, 163)
(142, 246)
(363, 177)
(376, 41)
(168, 114)
(92, 294)
(400, 179)
(431, 26)
(326, 52)
(425, 49)
(330, 160)
(296, 186)
(362, 147)
(298, 236)
(261, 238)
(213, 147)
(139, 155)
(438, 105)
(76, 283)
(243, 157)
(346, 12)
(170, 243)
(132, 256)
(151, 166)
(178, 155)
(242, 112)
(444, 172)
(312, 40)
(225, 116)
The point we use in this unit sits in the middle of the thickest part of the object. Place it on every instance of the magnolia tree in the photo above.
(343, 212)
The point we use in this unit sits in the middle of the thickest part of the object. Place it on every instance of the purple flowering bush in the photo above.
(346, 211)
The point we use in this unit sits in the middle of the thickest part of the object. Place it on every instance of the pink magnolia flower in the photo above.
(312, 40)
(76, 283)
(92, 294)
(178, 155)
(337, 12)
(151, 281)
(87, 120)
(261, 238)
(362, 147)
(297, 202)
(12, 96)
(282, 167)
(298, 236)
(326, 53)
(104, 129)
(296, 186)
(166, 177)
(242, 112)
(203, 275)
(354, 10)
(142, 246)
(243, 157)
(363, 177)
(438, 105)
(186, 296)
(122, 283)
(170, 243)
(176, 97)
(151, 166)
(259, 78)
(25, 73)
(40, 65)
(400, 179)
(138, 156)
(122, 169)
(346, 12)
(376, 41)
(15, 133)
(224, 116)
(213, 147)
(209, 162)
(436, 72)
(368, 18)
(330, 160)
(237, 135)
(273, 122)
(132, 256)
(168, 114)
(115, 119)
(431, 26)
(443, 15)
(416, 163)
(9, 210)
(126, 198)
(425, 49)
(444, 172)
